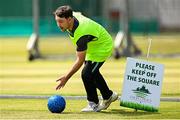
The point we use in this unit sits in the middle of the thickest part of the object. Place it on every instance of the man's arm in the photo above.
(81, 53)
(78, 63)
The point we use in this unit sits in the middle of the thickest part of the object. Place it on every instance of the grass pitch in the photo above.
(37, 109)
(20, 77)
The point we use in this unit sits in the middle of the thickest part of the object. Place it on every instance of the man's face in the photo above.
(62, 23)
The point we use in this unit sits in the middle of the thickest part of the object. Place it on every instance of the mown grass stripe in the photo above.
(167, 99)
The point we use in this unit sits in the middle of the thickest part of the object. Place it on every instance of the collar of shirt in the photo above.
(76, 23)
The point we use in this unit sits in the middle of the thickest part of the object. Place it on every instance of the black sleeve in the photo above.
(83, 41)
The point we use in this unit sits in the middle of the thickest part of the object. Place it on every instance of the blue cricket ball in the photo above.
(56, 104)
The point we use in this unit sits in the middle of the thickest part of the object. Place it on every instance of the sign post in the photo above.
(142, 85)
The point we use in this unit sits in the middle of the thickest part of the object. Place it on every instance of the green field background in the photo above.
(18, 76)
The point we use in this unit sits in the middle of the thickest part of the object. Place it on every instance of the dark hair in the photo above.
(64, 11)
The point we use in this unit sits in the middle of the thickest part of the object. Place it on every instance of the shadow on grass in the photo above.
(128, 112)
(122, 112)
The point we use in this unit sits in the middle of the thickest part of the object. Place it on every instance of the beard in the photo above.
(62, 29)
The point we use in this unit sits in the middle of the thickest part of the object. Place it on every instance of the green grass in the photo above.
(20, 77)
(38, 78)
(16, 46)
(37, 109)
(138, 106)
(161, 44)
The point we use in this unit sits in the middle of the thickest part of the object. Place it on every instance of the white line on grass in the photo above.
(168, 99)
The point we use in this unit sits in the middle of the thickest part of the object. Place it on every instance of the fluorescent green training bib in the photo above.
(100, 48)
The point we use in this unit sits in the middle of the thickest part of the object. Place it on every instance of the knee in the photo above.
(86, 75)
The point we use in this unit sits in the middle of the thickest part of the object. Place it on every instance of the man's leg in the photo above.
(89, 83)
(102, 85)
(107, 94)
(90, 87)
(92, 79)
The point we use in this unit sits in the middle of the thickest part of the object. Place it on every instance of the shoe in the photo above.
(105, 103)
(91, 107)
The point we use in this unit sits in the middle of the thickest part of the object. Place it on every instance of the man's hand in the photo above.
(62, 83)
(79, 61)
